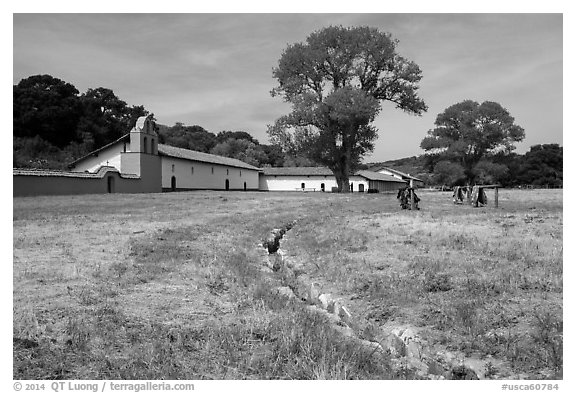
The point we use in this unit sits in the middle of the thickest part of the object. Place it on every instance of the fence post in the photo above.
(411, 194)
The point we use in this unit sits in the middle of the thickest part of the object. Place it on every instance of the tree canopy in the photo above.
(53, 124)
(468, 132)
(48, 108)
(187, 137)
(234, 144)
(542, 165)
(336, 82)
(105, 117)
(241, 149)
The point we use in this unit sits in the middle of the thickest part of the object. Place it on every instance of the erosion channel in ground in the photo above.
(402, 344)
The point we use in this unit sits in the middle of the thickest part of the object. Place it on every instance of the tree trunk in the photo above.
(346, 161)
(345, 185)
(342, 180)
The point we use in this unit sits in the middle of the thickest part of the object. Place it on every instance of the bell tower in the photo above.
(142, 160)
(143, 137)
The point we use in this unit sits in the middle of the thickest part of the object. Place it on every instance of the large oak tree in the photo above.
(336, 82)
(468, 132)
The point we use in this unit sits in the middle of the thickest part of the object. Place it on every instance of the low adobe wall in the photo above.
(29, 183)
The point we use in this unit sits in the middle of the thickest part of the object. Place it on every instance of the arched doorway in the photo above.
(110, 185)
(227, 184)
(303, 186)
(351, 187)
(244, 186)
(360, 187)
(173, 183)
(322, 187)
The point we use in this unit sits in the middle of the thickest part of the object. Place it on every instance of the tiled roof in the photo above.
(176, 152)
(86, 175)
(399, 173)
(323, 171)
(299, 171)
(379, 176)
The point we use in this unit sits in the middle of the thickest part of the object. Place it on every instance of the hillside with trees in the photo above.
(234, 144)
(54, 125)
(541, 166)
(474, 143)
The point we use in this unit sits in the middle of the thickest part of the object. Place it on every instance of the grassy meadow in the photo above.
(176, 285)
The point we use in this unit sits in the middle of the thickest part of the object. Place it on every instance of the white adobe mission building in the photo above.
(137, 163)
(179, 169)
(322, 179)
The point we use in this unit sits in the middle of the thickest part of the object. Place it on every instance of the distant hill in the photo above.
(414, 165)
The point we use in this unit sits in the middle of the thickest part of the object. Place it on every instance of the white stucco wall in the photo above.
(109, 156)
(294, 183)
(356, 181)
(203, 178)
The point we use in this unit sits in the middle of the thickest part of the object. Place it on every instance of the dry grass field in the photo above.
(177, 286)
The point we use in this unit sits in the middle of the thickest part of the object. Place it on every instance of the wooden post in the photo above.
(411, 194)
(496, 197)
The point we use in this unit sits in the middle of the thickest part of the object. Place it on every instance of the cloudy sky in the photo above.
(215, 70)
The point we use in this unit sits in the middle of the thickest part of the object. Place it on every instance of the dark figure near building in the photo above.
(404, 195)
(460, 193)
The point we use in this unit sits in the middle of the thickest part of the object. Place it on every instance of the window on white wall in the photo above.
(227, 172)
(212, 170)
(192, 170)
(173, 167)
(240, 172)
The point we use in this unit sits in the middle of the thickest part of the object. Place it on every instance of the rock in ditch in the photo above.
(411, 340)
(325, 300)
(313, 293)
(285, 292)
(414, 349)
